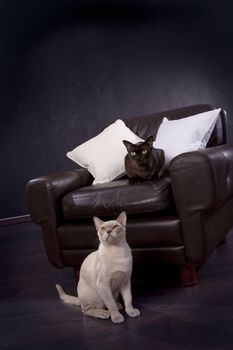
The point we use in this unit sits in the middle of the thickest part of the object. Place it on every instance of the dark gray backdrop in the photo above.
(68, 68)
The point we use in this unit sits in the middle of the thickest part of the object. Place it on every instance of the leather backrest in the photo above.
(147, 125)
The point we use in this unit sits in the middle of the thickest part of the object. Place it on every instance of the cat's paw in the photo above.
(117, 318)
(133, 312)
(133, 181)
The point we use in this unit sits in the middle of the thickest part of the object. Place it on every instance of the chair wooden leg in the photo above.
(76, 274)
(188, 275)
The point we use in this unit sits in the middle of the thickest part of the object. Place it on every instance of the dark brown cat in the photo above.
(143, 162)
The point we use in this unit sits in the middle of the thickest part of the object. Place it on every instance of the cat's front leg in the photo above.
(134, 180)
(105, 293)
(127, 297)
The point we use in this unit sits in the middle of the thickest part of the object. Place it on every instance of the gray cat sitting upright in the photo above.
(105, 274)
(143, 162)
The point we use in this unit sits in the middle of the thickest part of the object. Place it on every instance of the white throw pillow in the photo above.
(186, 134)
(104, 154)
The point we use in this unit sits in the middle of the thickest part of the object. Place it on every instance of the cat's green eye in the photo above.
(133, 153)
(115, 227)
(144, 151)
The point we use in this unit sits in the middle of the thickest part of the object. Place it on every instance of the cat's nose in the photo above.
(109, 231)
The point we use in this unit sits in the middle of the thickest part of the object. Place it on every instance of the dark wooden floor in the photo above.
(173, 318)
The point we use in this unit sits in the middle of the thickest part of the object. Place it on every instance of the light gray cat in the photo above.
(105, 274)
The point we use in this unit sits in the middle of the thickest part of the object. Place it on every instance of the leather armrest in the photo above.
(44, 193)
(201, 181)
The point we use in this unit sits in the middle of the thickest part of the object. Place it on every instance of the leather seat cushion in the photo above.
(164, 231)
(113, 197)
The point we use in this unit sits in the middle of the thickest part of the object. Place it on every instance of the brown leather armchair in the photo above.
(178, 219)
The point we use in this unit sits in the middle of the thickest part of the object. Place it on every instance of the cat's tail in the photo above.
(66, 298)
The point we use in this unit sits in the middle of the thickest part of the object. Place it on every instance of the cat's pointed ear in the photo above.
(150, 140)
(128, 145)
(122, 218)
(97, 223)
